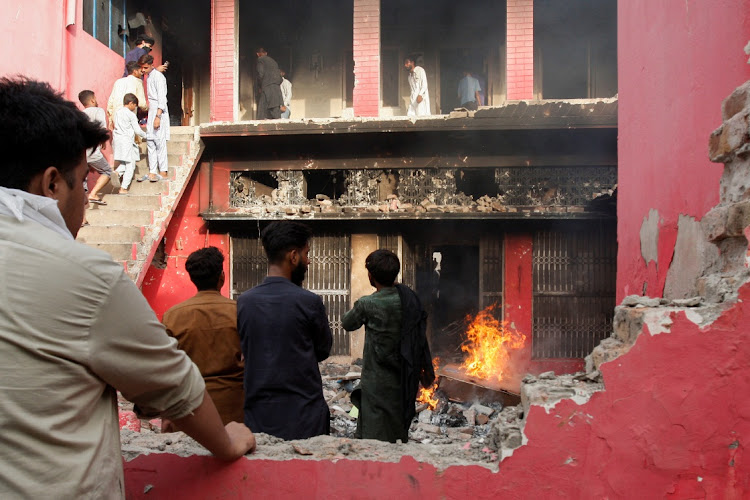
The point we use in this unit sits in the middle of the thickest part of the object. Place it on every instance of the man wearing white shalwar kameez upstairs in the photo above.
(419, 101)
(157, 127)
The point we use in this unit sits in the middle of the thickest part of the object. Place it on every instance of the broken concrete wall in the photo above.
(665, 116)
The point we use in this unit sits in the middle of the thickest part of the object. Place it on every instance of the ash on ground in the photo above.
(451, 434)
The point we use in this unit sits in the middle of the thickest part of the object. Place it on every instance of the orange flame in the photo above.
(487, 345)
(427, 395)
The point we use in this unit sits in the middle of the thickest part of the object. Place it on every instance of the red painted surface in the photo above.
(366, 57)
(673, 423)
(520, 49)
(223, 67)
(187, 232)
(676, 62)
(517, 295)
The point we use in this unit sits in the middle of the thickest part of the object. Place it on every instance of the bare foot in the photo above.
(123, 191)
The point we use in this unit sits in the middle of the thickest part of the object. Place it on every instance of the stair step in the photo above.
(130, 202)
(108, 234)
(177, 147)
(112, 217)
(118, 251)
(148, 188)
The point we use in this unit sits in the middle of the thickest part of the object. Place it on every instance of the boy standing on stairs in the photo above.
(158, 121)
(123, 140)
(94, 156)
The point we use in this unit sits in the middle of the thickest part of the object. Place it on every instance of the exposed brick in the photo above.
(222, 59)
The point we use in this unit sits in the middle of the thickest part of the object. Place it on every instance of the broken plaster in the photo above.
(650, 237)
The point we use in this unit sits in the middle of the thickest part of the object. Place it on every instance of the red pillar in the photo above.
(224, 69)
(366, 57)
(520, 49)
(519, 287)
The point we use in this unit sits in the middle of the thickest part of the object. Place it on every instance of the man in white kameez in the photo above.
(131, 84)
(286, 96)
(419, 102)
(157, 128)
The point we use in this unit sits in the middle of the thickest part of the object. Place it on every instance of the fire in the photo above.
(487, 345)
(427, 395)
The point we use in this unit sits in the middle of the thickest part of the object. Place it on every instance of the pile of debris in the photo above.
(451, 433)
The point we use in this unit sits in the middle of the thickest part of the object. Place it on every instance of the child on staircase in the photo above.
(123, 139)
(94, 156)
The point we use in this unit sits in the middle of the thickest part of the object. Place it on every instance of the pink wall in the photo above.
(187, 232)
(676, 62)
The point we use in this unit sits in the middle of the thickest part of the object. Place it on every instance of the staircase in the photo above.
(130, 226)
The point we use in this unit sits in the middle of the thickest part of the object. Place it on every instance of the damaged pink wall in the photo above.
(674, 422)
(187, 232)
(676, 62)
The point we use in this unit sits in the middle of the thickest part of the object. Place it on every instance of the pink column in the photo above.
(520, 49)
(223, 61)
(366, 57)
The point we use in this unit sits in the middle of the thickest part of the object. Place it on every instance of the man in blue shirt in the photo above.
(468, 91)
(284, 333)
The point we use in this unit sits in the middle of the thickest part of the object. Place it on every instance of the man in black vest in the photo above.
(269, 84)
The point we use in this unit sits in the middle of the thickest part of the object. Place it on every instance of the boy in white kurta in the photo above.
(123, 140)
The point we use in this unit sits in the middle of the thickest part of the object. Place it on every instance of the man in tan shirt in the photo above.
(74, 329)
(205, 327)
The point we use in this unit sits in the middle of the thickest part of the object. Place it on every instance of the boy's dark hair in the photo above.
(85, 96)
(410, 58)
(42, 129)
(132, 66)
(282, 236)
(383, 266)
(204, 267)
(144, 38)
(128, 98)
(146, 59)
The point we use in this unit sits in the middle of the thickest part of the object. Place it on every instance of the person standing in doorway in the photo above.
(468, 92)
(284, 334)
(286, 96)
(419, 100)
(269, 85)
(157, 128)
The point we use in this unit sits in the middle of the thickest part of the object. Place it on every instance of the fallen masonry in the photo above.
(468, 433)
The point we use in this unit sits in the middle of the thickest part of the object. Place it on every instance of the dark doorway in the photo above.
(455, 293)
(453, 63)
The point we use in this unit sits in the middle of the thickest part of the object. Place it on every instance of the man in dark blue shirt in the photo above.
(284, 333)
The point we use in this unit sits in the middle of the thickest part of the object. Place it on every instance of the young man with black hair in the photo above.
(74, 329)
(419, 97)
(205, 327)
(157, 126)
(143, 45)
(284, 333)
(396, 355)
(269, 86)
(94, 157)
(131, 84)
